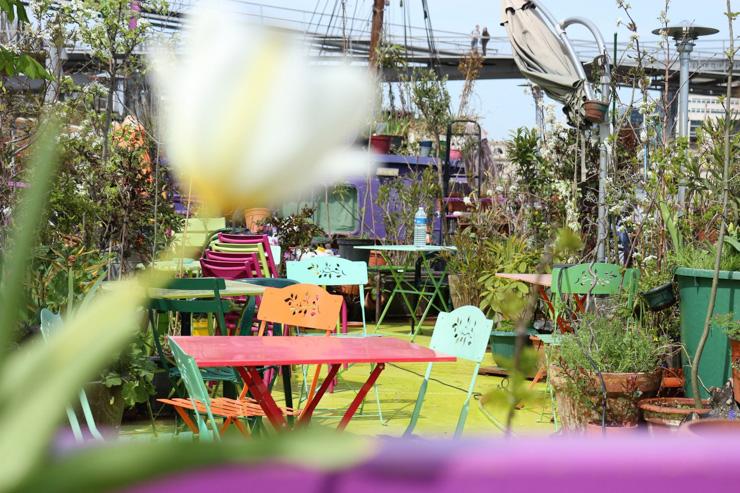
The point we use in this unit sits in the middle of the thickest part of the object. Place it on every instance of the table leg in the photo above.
(288, 391)
(360, 397)
(307, 412)
(436, 293)
(259, 390)
(378, 295)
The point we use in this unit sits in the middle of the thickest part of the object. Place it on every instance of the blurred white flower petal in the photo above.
(248, 120)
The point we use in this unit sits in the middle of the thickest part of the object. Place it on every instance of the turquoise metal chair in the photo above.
(50, 324)
(198, 393)
(463, 333)
(335, 271)
(332, 271)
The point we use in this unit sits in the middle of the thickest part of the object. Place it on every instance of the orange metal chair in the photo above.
(300, 306)
(203, 405)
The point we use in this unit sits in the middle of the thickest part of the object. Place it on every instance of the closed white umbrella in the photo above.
(545, 57)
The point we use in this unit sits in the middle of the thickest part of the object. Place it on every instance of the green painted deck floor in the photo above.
(399, 385)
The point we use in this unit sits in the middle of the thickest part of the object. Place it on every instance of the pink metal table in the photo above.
(247, 354)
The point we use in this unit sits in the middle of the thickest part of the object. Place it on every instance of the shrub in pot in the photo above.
(732, 328)
(601, 370)
(129, 381)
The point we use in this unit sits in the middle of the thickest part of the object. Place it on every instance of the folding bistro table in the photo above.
(247, 354)
(406, 288)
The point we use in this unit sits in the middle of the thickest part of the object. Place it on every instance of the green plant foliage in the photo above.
(504, 298)
(399, 198)
(16, 62)
(728, 323)
(610, 344)
(133, 371)
(602, 344)
(295, 231)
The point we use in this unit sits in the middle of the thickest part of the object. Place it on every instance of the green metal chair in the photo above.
(257, 248)
(463, 333)
(215, 306)
(50, 324)
(335, 271)
(331, 271)
(584, 280)
(592, 279)
(250, 310)
(198, 393)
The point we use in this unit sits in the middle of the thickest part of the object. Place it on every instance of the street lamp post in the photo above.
(684, 35)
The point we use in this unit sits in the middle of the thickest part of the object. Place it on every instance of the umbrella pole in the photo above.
(604, 131)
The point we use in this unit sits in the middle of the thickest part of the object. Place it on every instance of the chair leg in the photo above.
(240, 426)
(419, 402)
(463, 417)
(186, 419)
(314, 384)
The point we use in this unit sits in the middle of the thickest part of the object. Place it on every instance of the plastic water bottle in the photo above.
(420, 227)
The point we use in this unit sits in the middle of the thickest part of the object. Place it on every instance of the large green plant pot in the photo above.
(503, 344)
(694, 286)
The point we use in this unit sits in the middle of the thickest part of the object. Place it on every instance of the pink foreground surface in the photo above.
(676, 464)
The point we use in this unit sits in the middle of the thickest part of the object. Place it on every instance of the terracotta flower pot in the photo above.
(595, 430)
(595, 111)
(735, 361)
(667, 413)
(712, 427)
(253, 216)
(620, 390)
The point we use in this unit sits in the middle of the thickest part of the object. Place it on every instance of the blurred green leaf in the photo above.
(40, 378)
(113, 467)
(26, 219)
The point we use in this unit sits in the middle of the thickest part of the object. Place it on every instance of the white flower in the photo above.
(248, 121)
(467, 201)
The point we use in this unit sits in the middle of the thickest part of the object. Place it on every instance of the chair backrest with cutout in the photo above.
(306, 306)
(464, 333)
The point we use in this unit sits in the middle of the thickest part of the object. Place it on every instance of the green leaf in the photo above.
(114, 467)
(40, 378)
(733, 242)
(24, 231)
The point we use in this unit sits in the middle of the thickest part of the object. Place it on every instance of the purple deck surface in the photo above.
(678, 464)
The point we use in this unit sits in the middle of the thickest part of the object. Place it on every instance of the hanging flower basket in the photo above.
(595, 111)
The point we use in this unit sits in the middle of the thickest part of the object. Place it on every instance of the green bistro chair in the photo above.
(463, 333)
(257, 248)
(592, 279)
(195, 233)
(50, 324)
(331, 271)
(214, 306)
(198, 393)
(584, 280)
(251, 309)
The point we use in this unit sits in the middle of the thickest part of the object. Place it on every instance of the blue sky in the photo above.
(504, 105)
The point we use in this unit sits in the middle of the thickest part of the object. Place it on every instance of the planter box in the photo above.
(694, 286)
(347, 250)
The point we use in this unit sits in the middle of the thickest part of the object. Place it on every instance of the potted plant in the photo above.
(129, 381)
(657, 289)
(601, 370)
(731, 327)
(295, 232)
(668, 413)
(694, 279)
